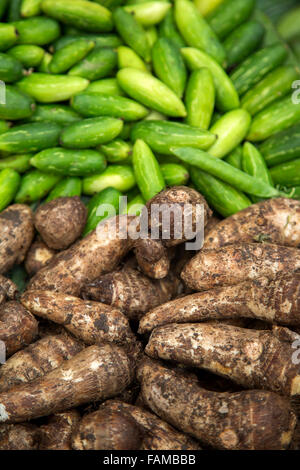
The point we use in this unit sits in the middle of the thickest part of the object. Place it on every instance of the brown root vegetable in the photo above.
(60, 222)
(8, 289)
(152, 257)
(107, 430)
(57, 433)
(247, 420)
(97, 254)
(158, 435)
(251, 358)
(16, 235)
(94, 374)
(131, 292)
(19, 437)
(18, 327)
(274, 221)
(92, 322)
(275, 300)
(234, 264)
(37, 257)
(37, 360)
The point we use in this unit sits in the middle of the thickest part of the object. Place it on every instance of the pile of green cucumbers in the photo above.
(106, 98)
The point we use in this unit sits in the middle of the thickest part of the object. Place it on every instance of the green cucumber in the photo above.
(3, 6)
(28, 55)
(128, 58)
(44, 65)
(278, 116)
(286, 174)
(101, 206)
(99, 63)
(149, 13)
(229, 15)
(30, 8)
(135, 206)
(120, 177)
(288, 26)
(196, 31)
(4, 126)
(168, 29)
(281, 147)
(107, 86)
(91, 132)
(200, 98)
(69, 162)
(18, 105)
(97, 104)
(254, 164)
(10, 68)
(276, 84)
(100, 40)
(67, 187)
(37, 31)
(82, 14)
(14, 10)
(31, 137)
(151, 35)
(255, 67)
(162, 135)
(19, 163)
(50, 88)
(226, 95)
(59, 113)
(174, 174)
(243, 41)
(8, 36)
(117, 151)
(70, 55)
(9, 184)
(235, 158)
(35, 185)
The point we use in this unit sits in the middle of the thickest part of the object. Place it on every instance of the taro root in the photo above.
(8, 289)
(39, 254)
(57, 433)
(19, 437)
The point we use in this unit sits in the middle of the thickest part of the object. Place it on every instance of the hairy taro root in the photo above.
(38, 256)
(57, 433)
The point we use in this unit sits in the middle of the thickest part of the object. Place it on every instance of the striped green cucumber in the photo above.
(70, 55)
(59, 113)
(235, 158)
(168, 29)
(9, 184)
(117, 151)
(127, 57)
(132, 33)
(99, 63)
(200, 98)
(255, 67)
(8, 36)
(196, 31)
(88, 16)
(286, 174)
(37, 31)
(67, 187)
(18, 105)
(107, 86)
(162, 135)
(254, 164)
(120, 177)
(275, 118)
(100, 40)
(89, 133)
(226, 95)
(31, 137)
(35, 185)
(151, 92)
(230, 129)
(19, 163)
(243, 41)
(169, 65)
(28, 55)
(149, 13)
(30, 8)
(69, 162)
(10, 68)
(101, 206)
(282, 147)
(225, 199)
(229, 15)
(97, 104)
(276, 84)
(174, 174)
(47, 88)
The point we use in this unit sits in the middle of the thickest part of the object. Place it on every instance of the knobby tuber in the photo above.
(38, 256)
(247, 420)
(152, 257)
(94, 374)
(8, 289)
(19, 437)
(57, 433)
(233, 264)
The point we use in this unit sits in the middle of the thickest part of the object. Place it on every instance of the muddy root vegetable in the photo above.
(233, 264)
(57, 433)
(16, 235)
(86, 260)
(89, 321)
(275, 300)
(253, 359)
(107, 430)
(18, 327)
(37, 360)
(39, 254)
(152, 257)
(8, 289)
(60, 222)
(19, 437)
(274, 221)
(94, 374)
(248, 420)
(131, 291)
(158, 435)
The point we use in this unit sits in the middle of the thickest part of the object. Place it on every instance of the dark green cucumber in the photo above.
(287, 174)
(9, 184)
(35, 185)
(67, 187)
(229, 15)
(97, 64)
(254, 164)
(174, 174)
(100, 40)
(59, 113)
(168, 29)
(70, 55)
(19, 163)
(38, 31)
(8, 36)
(120, 177)
(162, 135)
(18, 105)
(14, 10)
(97, 104)
(10, 68)
(69, 162)
(235, 158)
(282, 147)
(28, 55)
(253, 69)
(98, 208)
(243, 41)
(117, 151)
(31, 137)
(3, 6)
(89, 133)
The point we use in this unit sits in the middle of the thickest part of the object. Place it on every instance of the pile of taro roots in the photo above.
(129, 344)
